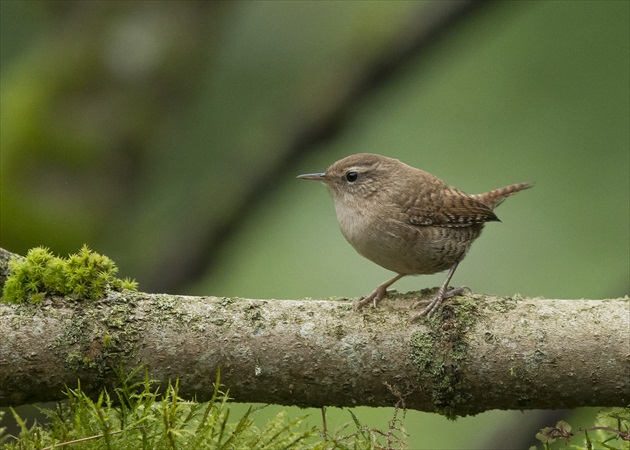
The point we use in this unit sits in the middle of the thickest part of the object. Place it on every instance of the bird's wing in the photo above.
(452, 208)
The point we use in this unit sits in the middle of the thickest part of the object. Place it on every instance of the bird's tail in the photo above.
(492, 199)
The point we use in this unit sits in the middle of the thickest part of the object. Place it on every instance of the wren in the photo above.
(406, 220)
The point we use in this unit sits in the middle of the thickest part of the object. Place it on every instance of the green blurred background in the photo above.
(168, 135)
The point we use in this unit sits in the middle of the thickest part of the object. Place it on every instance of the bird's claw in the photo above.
(436, 301)
(375, 297)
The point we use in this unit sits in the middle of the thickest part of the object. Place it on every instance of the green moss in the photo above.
(437, 351)
(96, 341)
(134, 414)
(504, 304)
(339, 331)
(85, 275)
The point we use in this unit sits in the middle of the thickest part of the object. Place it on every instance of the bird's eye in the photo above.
(352, 176)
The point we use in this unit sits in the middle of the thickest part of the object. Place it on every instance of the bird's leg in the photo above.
(442, 294)
(377, 295)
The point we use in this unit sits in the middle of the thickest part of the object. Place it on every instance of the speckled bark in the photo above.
(478, 353)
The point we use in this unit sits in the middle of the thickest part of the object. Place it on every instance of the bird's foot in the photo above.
(436, 301)
(376, 296)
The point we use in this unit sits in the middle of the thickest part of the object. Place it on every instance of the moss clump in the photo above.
(85, 275)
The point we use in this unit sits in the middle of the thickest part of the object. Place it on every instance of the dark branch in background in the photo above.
(423, 34)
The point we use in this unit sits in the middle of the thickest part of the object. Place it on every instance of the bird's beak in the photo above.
(313, 176)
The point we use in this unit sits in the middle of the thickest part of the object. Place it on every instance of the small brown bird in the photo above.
(407, 220)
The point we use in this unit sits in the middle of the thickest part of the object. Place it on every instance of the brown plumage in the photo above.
(405, 219)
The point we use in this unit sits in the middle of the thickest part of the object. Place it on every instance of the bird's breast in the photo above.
(355, 223)
(390, 242)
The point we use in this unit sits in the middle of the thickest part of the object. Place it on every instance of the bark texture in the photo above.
(478, 352)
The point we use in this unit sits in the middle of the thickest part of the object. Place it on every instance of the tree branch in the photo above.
(478, 353)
